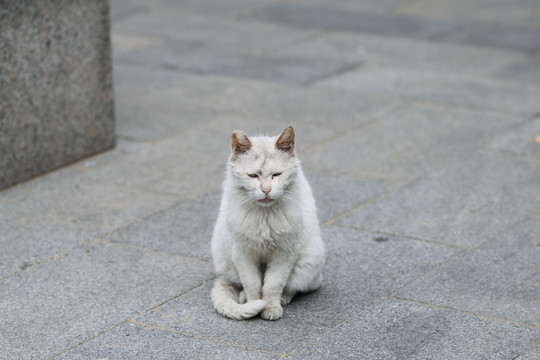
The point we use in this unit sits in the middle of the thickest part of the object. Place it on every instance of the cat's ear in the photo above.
(285, 142)
(240, 143)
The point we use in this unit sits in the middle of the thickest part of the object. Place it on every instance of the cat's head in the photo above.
(262, 167)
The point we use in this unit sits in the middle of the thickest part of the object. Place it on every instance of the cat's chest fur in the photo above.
(272, 227)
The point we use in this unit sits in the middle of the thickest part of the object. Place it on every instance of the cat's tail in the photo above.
(225, 298)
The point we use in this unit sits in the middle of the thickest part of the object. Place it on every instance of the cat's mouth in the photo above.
(266, 200)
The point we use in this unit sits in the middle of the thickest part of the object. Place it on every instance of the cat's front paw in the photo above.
(272, 312)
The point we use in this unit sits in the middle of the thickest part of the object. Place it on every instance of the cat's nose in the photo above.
(266, 191)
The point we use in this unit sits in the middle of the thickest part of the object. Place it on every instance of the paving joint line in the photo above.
(509, 227)
(204, 337)
(347, 212)
(130, 320)
(173, 298)
(53, 258)
(341, 71)
(155, 251)
(89, 339)
(403, 236)
(368, 201)
(512, 153)
(532, 346)
(368, 121)
(92, 241)
(430, 271)
(318, 337)
(447, 105)
(515, 322)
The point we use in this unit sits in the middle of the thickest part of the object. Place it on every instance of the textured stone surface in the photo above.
(182, 102)
(521, 12)
(518, 38)
(335, 19)
(442, 87)
(133, 341)
(185, 229)
(408, 143)
(268, 67)
(526, 71)
(419, 144)
(464, 203)
(522, 139)
(187, 31)
(39, 222)
(531, 354)
(395, 52)
(55, 85)
(498, 279)
(359, 271)
(401, 330)
(337, 194)
(489, 34)
(48, 309)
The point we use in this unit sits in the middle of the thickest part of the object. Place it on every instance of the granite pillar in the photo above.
(56, 95)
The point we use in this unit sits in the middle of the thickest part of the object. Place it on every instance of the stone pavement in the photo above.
(417, 123)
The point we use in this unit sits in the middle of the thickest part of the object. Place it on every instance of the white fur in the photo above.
(269, 250)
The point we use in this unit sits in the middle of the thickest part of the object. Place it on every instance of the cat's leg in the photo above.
(249, 272)
(306, 276)
(242, 297)
(275, 279)
(286, 297)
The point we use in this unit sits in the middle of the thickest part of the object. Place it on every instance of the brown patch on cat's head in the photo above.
(285, 142)
(240, 143)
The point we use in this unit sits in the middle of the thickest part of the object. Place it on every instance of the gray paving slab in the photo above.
(184, 230)
(361, 268)
(187, 228)
(46, 217)
(498, 279)
(256, 106)
(231, 9)
(526, 71)
(109, 257)
(532, 354)
(328, 17)
(268, 67)
(400, 330)
(173, 166)
(209, 32)
(132, 79)
(408, 142)
(520, 12)
(511, 37)
(123, 42)
(382, 6)
(125, 8)
(133, 341)
(52, 307)
(435, 86)
(505, 36)
(407, 53)
(463, 203)
(522, 139)
(155, 115)
(336, 194)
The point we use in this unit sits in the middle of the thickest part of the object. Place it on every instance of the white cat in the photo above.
(266, 244)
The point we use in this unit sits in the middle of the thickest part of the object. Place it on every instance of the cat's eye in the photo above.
(276, 174)
(252, 175)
